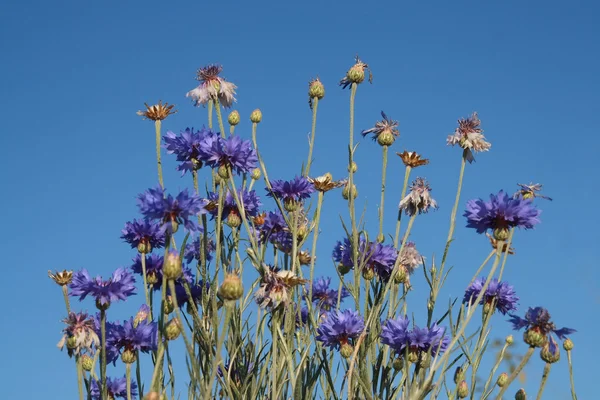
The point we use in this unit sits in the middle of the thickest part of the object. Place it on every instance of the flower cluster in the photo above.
(250, 203)
(117, 388)
(339, 327)
(415, 341)
(232, 153)
(144, 235)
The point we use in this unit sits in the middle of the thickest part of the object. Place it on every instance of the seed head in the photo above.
(412, 159)
(62, 278)
(157, 112)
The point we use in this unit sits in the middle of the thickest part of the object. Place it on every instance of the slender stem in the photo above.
(66, 297)
(516, 372)
(217, 359)
(219, 117)
(79, 376)
(103, 354)
(311, 145)
(210, 114)
(138, 374)
(547, 368)
(404, 186)
(157, 368)
(454, 210)
(381, 207)
(354, 231)
(128, 378)
(494, 369)
(313, 255)
(158, 161)
(573, 394)
(145, 278)
(231, 129)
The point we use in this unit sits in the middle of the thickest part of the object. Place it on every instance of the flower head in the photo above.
(500, 294)
(530, 191)
(120, 286)
(144, 235)
(171, 211)
(538, 326)
(338, 327)
(154, 265)
(356, 74)
(324, 296)
(212, 87)
(233, 152)
(325, 183)
(62, 278)
(186, 146)
(412, 159)
(384, 131)
(395, 333)
(80, 334)
(157, 112)
(117, 388)
(501, 213)
(291, 192)
(134, 337)
(275, 287)
(316, 90)
(410, 258)
(468, 136)
(250, 201)
(193, 250)
(418, 200)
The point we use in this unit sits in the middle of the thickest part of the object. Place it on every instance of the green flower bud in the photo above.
(256, 116)
(290, 205)
(196, 164)
(398, 363)
(502, 379)
(346, 191)
(102, 307)
(368, 274)
(386, 138)
(353, 167)
(356, 74)
(568, 345)
(534, 337)
(234, 118)
(151, 278)
(316, 89)
(233, 220)
(72, 343)
(401, 275)
(343, 269)
(550, 353)
(413, 356)
(463, 390)
(168, 306)
(172, 266)
(231, 288)
(509, 340)
(501, 233)
(87, 362)
(255, 174)
(128, 357)
(172, 330)
(424, 361)
(144, 247)
(346, 350)
(521, 395)
(223, 172)
(459, 375)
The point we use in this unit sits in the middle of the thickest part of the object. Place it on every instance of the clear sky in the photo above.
(75, 155)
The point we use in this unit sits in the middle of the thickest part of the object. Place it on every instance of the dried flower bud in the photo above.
(255, 174)
(256, 116)
(231, 288)
(568, 345)
(87, 362)
(412, 159)
(234, 118)
(346, 350)
(521, 395)
(128, 356)
(346, 191)
(168, 306)
(502, 379)
(172, 266)
(61, 278)
(463, 390)
(304, 257)
(172, 329)
(157, 112)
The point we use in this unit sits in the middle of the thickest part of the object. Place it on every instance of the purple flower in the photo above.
(233, 152)
(171, 211)
(145, 235)
(375, 256)
(338, 327)
(112, 352)
(250, 201)
(195, 289)
(324, 296)
(154, 265)
(384, 131)
(117, 388)
(131, 336)
(237, 371)
(292, 191)
(120, 286)
(192, 250)
(501, 293)
(395, 333)
(538, 326)
(81, 328)
(342, 252)
(186, 147)
(501, 212)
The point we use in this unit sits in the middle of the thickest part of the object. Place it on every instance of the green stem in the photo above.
(312, 135)
(573, 394)
(404, 186)
(66, 297)
(157, 368)
(103, 354)
(454, 211)
(210, 114)
(219, 117)
(380, 238)
(128, 378)
(313, 255)
(351, 196)
(231, 129)
(158, 161)
(217, 359)
(79, 376)
(516, 372)
(494, 369)
(547, 368)
(145, 278)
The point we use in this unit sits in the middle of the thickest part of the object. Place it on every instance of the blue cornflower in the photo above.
(171, 211)
(324, 296)
(538, 327)
(250, 201)
(186, 147)
(500, 293)
(117, 388)
(233, 152)
(395, 333)
(120, 286)
(375, 257)
(384, 131)
(291, 192)
(112, 351)
(154, 265)
(145, 235)
(501, 213)
(192, 250)
(338, 327)
(134, 336)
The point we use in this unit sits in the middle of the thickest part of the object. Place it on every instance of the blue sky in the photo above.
(75, 154)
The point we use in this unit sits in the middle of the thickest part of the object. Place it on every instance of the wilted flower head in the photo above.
(530, 191)
(395, 333)
(410, 258)
(501, 213)
(384, 131)
(356, 74)
(171, 211)
(412, 159)
(79, 335)
(144, 235)
(324, 296)
(275, 287)
(62, 278)
(194, 250)
(120, 286)
(291, 192)
(338, 327)
(212, 87)
(117, 388)
(186, 146)
(325, 183)
(538, 326)
(233, 152)
(500, 294)
(468, 136)
(418, 200)
(157, 112)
